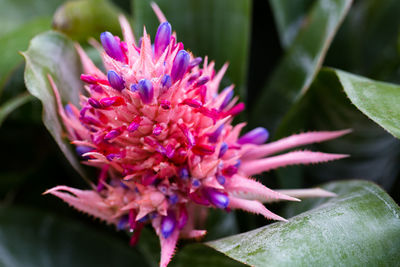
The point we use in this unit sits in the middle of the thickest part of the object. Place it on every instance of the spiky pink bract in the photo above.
(160, 133)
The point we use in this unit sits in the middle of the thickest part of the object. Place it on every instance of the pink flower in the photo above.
(160, 133)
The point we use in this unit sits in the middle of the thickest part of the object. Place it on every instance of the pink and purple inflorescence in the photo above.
(159, 131)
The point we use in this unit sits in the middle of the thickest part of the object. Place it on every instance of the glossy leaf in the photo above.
(15, 41)
(219, 29)
(301, 63)
(373, 152)
(12, 104)
(359, 227)
(290, 16)
(43, 58)
(30, 237)
(87, 18)
(378, 100)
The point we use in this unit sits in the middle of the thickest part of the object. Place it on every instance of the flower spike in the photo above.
(165, 148)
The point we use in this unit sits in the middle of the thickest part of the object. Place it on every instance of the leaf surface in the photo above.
(359, 227)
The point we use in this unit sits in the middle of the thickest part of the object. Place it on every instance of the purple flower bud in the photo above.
(146, 92)
(111, 46)
(220, 179)
(134, 87)
(183, 217)
(202, 81)
(166, 83)
(115, 80)
(144, 219)
(112, 134)
(217, 198)
(68, 111)
(134, 125)
(196, 182)
(173, 199)
(223, 149)
(183, 173)
(180, 65)
(80, 150)
(227, 99)
(256, 136)
(213, 137)
(122, 222)
(163, 37)
(140, 42)
(195, 62)
(193, 77)
(163, 188)
(123, 185)
(157, 130)
(168, 224)
(94, 103)
(111, 156)
(238, 163)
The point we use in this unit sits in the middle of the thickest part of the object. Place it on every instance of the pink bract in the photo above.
(159, 129)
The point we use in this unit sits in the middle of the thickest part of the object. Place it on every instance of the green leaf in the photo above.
(301, 63)
(366, 44)
(15, 41)
(43, 58)
(15, 13)
(219, 29)
(378, 100)
(87, 18)
(289, 17)
(30, 237)
(359, 227)
(13, 104)
(373, 152)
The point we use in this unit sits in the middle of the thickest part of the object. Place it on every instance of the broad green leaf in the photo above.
(15, 41)
(30, 237)
(14, 13)
(341, 188)
(219, 29)
(87, 18)
(378, 100)
(359, 227)
(374, 153)
(43, 58)
(366, 44)
(12, 104)
(300, 64)
(289, 18)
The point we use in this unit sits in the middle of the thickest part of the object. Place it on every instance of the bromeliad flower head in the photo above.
(159, 130)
